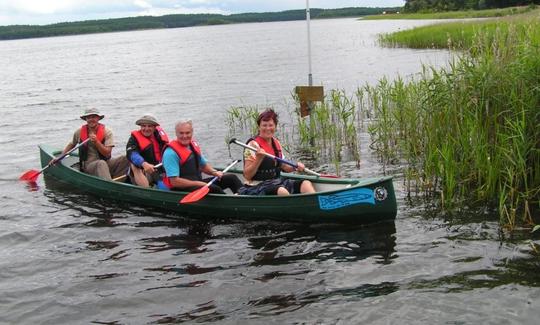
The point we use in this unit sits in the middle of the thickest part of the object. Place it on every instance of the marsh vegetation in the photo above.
(466, 135)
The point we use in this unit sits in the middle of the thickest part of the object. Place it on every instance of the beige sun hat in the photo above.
(147, 119)
(91, 111)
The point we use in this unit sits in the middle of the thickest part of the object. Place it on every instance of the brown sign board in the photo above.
(308, 94)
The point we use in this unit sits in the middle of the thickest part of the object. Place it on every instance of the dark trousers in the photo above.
(230, 181)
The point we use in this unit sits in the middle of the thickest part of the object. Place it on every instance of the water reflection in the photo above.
(517, 271)
(172, 256)
(337, 243)
(191, 242)
(203, 313)
(279, 304)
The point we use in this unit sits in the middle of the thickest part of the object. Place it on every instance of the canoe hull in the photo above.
(355, 203)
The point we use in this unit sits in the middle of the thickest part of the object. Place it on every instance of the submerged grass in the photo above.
(470, 132)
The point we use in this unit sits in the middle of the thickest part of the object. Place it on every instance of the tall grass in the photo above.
(454, 35)
(471, 132)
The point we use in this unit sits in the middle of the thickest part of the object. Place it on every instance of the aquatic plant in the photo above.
(470, 132)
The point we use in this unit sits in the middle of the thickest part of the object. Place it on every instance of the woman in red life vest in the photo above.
(184, 164)
(261, 172)
(95, 155)
(143, 150)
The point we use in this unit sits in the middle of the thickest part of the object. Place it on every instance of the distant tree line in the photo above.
(173, 21)
(451, 5)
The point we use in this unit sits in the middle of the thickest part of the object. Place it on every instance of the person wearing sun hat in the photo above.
(143, 150)
(95, 155)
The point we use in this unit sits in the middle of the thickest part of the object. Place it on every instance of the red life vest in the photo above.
(100, 135)
(269, 167)
(145, 142)
(185, 155)
(274, 148)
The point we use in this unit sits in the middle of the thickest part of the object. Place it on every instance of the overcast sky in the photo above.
(53, 11)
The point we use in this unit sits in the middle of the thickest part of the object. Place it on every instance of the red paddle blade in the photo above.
(30, 176)
(195, 195)
(329, 176)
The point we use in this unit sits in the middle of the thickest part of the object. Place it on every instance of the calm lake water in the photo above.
(68, 258)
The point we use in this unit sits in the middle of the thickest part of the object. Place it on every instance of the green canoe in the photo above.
(351, 201)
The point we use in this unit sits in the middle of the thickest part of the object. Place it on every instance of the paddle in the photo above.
(201, 192)
(290, 163)
(32, 175)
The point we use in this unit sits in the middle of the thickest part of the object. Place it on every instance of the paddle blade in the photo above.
(329, 176)
(196, 195)
(30, 176)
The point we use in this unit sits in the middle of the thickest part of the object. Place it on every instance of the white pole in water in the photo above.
(310, 77)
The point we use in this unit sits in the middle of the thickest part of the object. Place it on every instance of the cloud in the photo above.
(142, 4)
(51, 11)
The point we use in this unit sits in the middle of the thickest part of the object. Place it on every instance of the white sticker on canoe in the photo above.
(342, 199)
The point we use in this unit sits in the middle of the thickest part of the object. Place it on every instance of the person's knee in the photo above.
(307, 187)
(232, 181)
(216, 189)
(102, 169)
(282, 191)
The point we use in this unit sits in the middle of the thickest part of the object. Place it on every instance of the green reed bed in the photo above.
(455, 35)
(471, 132)
(455, 14)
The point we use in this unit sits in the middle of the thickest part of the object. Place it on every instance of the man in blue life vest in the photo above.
(143, 150)
(184, 163)
(95, 155)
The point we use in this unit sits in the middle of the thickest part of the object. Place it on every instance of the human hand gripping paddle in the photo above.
(290, 163)
(32, 175)
(201, 192)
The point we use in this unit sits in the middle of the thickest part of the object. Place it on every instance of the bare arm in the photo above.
(208, 169)
(101, 148)
(68, 147)
(289, 169)
(180, 182)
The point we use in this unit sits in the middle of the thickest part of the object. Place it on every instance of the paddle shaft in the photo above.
(202, 191)
(290, 163)
(65, 154)
(224, 171)
(125, 175)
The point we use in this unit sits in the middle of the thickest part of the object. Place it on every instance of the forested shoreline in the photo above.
(453, 5)
(174, 21)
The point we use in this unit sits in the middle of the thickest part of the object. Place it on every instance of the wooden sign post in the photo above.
(308, 95)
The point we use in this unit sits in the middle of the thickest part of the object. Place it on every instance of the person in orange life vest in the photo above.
(261, 172)
(143, 150)
(95, 155)
(183, 163)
